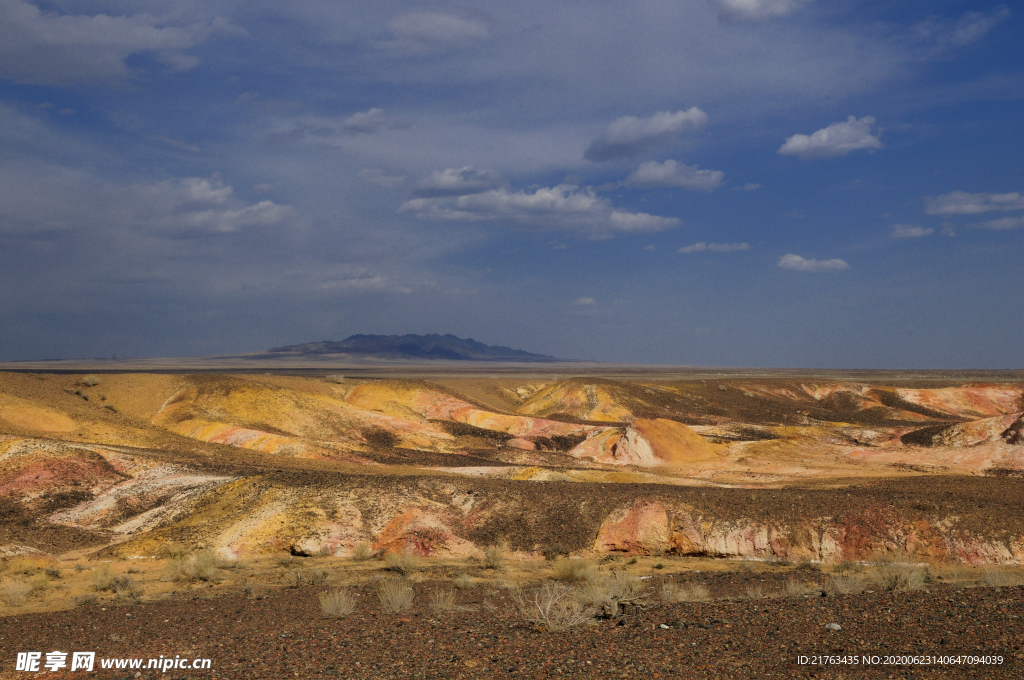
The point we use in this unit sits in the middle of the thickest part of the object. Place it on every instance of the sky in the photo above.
(776, 183)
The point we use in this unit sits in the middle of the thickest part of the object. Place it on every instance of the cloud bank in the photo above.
(963, 203)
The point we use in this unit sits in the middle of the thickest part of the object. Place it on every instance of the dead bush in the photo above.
(494, 557)
(840, 584)
(86, 599)
(555, 607)
(575, 571)
(90, 381)
(444, 601)
(15, 593)
(608, 594)
(894, 575)
(396, 595)
(362, 552)
(401, 561)
(199, 567)
(998, 578)
(337, 604)
(463, 582)
(755, 592)
(684, 592)
(554, 551)
(794, 588)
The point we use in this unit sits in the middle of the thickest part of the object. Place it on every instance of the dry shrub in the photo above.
(892, 575)
(126, 591)
(611, 592)
(39, 583)
(463, 582)
(86, 599)
(575, 571)
(337, 603)
(444, 601)
(395, 594)
(362, 552)
(494, 557)
(684, 592)
(306, 577)
(402, 562)
(755, 592)
(847, 565)
(555, 607)
(999, 578)
(53, 572)
(794, 588)
(199, 567)
(90, 381)
(840, 584)
(15, 593)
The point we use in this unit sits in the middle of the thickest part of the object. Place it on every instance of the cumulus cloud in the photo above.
(380, 177)
(803, 264)
(963, 203)
(837, 139)
(457, 182)
(1002, 224)
(630, 136)
(910, 231)
(437, 28)
(61, 49)
(673, 174)
(755, 10)
(366, 122)
(560, 207)
(703, 247)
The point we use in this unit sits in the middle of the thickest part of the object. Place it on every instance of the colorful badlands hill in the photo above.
(252, 465)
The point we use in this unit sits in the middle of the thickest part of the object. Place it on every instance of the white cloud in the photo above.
(60, 49)
(910, 231)
(560, 207)
(1002, 224)
(970, 28)
(630, 136)
(703, 247)
(585, 302)
(438, 28)
(803, 264)
(835, 140)
(672, 174)
(963, 203)
(366, 122)
(457, 182)
(755, 10)
(364, 283)
(380, 177)
(749, 186)
(193, 206)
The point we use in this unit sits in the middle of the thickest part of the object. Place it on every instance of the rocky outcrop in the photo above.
(660, 442)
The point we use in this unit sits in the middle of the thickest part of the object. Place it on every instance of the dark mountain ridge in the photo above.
(443, 347)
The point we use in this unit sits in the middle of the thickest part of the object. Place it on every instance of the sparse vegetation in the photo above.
(755, 592)
(15, 593)
(575, 571)
(90, 380)
(401, 561)
(555, 607)
(494, 557)
(898, 575)
(362, 552)
(380, 438)
(86, 599)
(337, 604)
(306, 577)
(795, 588)
(444, 601)
(396, 595)
(53, 573)
(609, 593)
(199, 567)
(840, 584)
(684, 592)
(463, 582)
(998, 578)
(554, 551)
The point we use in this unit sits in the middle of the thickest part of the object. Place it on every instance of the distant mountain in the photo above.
(444, 347)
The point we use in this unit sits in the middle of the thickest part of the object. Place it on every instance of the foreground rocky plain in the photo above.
(284, 485)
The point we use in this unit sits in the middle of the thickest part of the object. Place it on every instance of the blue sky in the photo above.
(710, 182)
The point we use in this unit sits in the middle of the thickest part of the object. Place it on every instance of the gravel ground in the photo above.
(282, 634)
